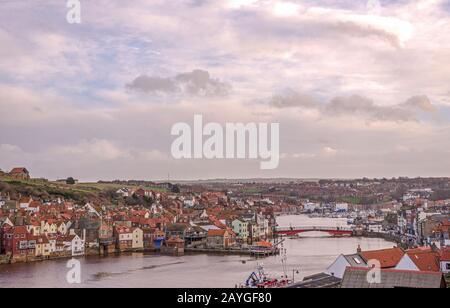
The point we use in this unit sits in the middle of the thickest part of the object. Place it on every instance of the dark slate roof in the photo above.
(318, 281)
(355, 260)
(356, 277)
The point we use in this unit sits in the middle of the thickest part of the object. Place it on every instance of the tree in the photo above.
(70, 181)
(175, 189)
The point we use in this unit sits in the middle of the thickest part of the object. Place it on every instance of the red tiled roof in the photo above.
(445, 254)
(25, 200)
(425, 259)
(388, 258)
(18, 170)
(123, 230)
(264, 244)
(174, 240)
(219, 232)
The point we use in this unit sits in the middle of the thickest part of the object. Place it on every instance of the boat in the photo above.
(260, 280)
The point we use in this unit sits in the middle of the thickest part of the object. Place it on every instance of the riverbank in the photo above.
(283, 221)
(96, 252)
(198, 270)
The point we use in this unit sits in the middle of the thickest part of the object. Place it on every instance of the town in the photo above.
(43, 220)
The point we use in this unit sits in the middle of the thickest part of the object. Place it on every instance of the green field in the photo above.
(77, 192)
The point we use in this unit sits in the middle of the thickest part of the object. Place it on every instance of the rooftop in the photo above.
(388, 258)
(356, 277)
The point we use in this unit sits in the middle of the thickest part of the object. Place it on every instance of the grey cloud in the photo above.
(421, 102)
(364, 106)
(356, 105)
(196, 83)
(153, 84)
(290, 99)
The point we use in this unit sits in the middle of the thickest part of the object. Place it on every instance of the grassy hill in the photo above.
(81, 192)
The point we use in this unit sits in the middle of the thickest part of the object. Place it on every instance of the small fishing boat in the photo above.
(260, 280)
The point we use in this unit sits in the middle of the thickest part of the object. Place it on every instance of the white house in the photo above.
(92, 210)
(124, 192)
(311, 207)
(189, 202)
(5, 221)
(52, 243)
(24, 203)
(138, 238)
(419, 260)
(48, 227)
(63, 227)
(407, 264)
(262, 225)
(77, 245)
(34, 207)
(341, 207)
(337, 268)
(34, 228)
(204, 214)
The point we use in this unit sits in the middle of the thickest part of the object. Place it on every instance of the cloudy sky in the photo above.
(360, 88)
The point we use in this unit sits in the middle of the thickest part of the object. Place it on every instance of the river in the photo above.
(308, 254)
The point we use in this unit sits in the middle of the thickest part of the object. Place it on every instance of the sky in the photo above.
(360, 88)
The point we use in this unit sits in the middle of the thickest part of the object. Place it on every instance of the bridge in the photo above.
(335, 231)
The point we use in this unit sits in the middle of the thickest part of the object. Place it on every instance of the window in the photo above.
(448, 266)
(357, 261)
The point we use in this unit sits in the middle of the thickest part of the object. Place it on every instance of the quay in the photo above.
(239, 252)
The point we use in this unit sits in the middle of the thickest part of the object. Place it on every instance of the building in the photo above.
(18, 243)
(25, 202)
(445, 260)
(124, 238)
(318, 281)
(341, 207)
(310, 206)
(173, 246)
(77, 244)
(388, 258)
(240, 227)
(49, 227)
(42, 247)
(356, 278)
(138, 238)
(19, 173)
(338, 267)
(421, 259)
(153, 238)
(219, 239)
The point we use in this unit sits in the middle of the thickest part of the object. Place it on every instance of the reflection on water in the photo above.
(308, 254)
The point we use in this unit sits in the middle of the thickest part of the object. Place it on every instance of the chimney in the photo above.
(359, 250)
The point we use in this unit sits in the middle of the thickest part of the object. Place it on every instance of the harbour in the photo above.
(307, 254)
